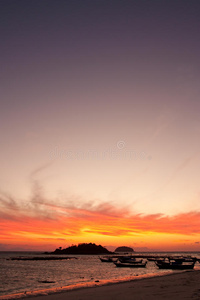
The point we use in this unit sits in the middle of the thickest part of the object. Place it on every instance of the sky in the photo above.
(100, 124)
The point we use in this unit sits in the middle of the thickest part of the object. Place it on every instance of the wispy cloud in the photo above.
(59, 219)
(8, 201)
(38, 170)
(184, 164)
(50, 219)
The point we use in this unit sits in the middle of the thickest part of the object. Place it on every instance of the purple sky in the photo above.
(82, 76)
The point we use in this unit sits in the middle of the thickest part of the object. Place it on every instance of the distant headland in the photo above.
(84, 248)
(124, 249)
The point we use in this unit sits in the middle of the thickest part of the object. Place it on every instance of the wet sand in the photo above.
(183, 285)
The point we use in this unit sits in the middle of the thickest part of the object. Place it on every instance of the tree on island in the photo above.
(83, 249)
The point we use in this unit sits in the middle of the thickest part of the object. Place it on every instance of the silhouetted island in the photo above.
(124, 249)
(83, 249)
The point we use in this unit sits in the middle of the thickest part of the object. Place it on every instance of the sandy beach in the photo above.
(184, 285)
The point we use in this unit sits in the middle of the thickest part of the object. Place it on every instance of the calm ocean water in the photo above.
(20, 278)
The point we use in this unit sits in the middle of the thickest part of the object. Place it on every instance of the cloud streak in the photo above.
(53, 220)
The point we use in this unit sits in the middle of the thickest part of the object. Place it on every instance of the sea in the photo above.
(27, 278)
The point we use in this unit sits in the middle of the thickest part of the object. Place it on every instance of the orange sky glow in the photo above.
(42, 225)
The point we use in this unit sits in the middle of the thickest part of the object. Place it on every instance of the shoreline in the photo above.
(179, 285)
